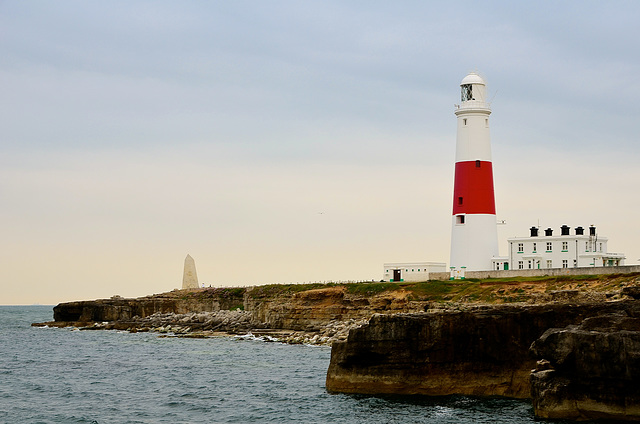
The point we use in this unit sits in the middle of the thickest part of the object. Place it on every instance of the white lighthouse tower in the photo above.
(474, 234)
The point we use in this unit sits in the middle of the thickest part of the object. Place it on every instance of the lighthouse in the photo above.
(474, 234)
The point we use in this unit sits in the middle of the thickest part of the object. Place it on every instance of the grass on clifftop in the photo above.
(491, 290)
(270, 290)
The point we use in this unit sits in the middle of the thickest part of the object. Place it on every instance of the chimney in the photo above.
(534, 231)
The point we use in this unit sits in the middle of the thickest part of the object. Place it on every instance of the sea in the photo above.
(54, 375)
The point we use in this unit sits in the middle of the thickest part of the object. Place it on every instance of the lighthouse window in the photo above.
(477, 164)
(464, 121)
(459, 219)
(466, 92)
(459, 200)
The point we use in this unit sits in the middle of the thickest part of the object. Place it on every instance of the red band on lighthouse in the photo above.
(473, 188)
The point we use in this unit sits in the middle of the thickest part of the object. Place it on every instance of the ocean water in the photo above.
(50, 375)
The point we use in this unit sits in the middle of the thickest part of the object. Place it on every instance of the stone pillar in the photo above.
(190, 277)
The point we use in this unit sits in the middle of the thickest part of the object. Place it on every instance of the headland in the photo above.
(478, 337)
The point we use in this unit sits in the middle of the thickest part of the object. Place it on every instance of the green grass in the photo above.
(490, 290)
(270, 290)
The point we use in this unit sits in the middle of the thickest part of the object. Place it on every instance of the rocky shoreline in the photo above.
(316, 316)
(480, 338)
(219, 323)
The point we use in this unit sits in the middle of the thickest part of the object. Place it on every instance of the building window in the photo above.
(520, 265)
(534, 247)
(460, 219)
(565, 264)
(520, 248)
(565, 246)
(530, 265)
(549, 246)
(586, 246)
(549, 263)
(600, 247)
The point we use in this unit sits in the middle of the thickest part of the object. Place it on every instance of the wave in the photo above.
(251, 336)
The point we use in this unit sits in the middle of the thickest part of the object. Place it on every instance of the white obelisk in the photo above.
(190, 277)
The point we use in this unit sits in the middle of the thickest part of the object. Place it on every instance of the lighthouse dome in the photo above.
(473, 92)
(472, 78)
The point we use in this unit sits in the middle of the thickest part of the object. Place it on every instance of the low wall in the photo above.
(626, 269)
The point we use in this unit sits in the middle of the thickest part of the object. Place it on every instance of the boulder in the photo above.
(590, 371)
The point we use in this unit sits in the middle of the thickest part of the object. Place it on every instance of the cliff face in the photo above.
(589, 371)
(125, 309)
(479, 351)
(304, 307)
(311, 309)
(305, 310)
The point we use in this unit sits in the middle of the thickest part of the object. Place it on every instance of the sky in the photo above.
(297, 141)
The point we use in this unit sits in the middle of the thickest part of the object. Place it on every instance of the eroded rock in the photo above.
(591, 370)
(472, 351)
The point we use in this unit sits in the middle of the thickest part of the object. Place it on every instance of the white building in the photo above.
(558, 251)
(411, 271)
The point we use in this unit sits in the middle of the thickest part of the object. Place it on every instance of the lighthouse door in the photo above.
(397, 275)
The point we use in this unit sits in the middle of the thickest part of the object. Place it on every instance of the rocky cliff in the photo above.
(120, 309)
(312, 309)
(435, 338)
(317, 316)
(589, 371)
(475, 351)
(307, 306)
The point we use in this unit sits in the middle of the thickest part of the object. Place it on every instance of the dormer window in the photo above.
(466, 92)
